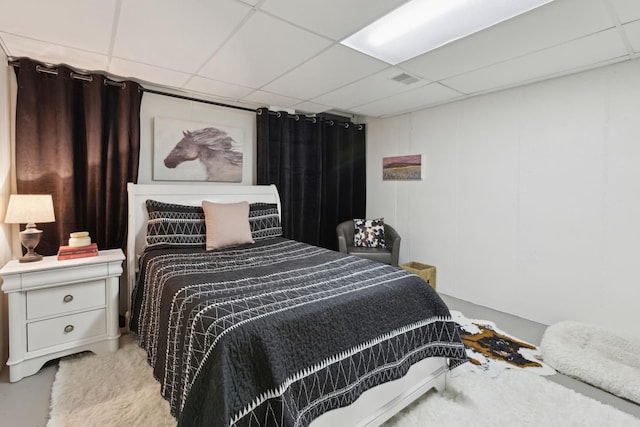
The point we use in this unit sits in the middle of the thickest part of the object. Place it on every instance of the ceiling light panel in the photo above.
(420, 26)
(335, 19)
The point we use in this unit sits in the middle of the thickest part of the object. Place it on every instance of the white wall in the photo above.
(5, 191)
(530, 201)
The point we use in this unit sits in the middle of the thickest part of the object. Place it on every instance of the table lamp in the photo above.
(29, 209)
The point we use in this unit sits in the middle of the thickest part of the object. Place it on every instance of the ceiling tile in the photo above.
(78, 24)
(265, 98)
(423, 97)
(175, 35)
(538, 29)
(262, 50)
(626, 10)
(632, 31)
(335, 19)
(377, 86)
(143, 72)
(333, 68)
(227, 90)
(53, 54)
(568, 57)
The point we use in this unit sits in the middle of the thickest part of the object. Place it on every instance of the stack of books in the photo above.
(71, 252)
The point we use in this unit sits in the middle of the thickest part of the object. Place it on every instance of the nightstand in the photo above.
(57, 308)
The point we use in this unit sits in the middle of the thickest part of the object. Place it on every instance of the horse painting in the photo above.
(214, 148)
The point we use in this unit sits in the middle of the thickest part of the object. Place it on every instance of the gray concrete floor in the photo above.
(26, 403)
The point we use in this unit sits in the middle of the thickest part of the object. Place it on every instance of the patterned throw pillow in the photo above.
(172, 225)
(264, 221)
(184, 226)
(369, 233)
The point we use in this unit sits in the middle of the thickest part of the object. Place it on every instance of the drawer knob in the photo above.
(68, 328)
(68, 298)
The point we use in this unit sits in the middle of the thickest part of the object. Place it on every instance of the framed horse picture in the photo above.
(194, 151)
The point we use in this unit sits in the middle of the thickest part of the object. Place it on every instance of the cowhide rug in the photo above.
(491, 350)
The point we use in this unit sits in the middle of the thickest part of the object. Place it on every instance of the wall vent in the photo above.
(405, 79)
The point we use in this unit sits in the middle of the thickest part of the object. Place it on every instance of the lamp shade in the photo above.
(30, 208)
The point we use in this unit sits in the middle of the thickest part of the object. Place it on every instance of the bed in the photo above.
(276, 332)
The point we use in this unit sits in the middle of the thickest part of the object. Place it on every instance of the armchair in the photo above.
(388, 255)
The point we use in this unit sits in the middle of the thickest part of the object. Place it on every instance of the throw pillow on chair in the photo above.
(369, 233)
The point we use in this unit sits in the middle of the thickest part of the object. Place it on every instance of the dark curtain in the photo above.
(318, 166)
(78, 139)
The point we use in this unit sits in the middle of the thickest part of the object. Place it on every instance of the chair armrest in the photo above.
(393, 239)
(342, 244)
(344, 231)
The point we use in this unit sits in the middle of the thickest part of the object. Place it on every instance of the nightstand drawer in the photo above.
(64, 299)
(60, 330)
(61, 276)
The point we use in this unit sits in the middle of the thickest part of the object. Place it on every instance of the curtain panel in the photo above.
(319, 167)
(78, 139)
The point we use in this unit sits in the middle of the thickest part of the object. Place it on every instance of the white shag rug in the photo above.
(116, 389)
(119, 390)
(513, 398)
(595, 355)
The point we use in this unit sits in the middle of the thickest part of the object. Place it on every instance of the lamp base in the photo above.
(30, 257)
(30, 237)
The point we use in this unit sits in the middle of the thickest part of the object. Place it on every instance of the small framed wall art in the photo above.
(402, 168)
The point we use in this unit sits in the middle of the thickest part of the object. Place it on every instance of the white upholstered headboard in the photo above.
(184, 195)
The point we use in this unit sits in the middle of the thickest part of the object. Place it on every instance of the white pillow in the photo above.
(227, 224)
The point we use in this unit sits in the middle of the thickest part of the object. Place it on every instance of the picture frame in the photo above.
(185, 150)
(402, 168)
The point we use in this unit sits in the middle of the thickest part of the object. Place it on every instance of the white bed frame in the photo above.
(375, 406)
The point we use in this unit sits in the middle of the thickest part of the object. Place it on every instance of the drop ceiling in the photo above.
(286, 53)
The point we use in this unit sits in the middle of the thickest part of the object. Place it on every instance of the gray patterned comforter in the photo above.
(279, 332)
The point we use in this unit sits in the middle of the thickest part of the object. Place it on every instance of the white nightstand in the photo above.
(58, 308)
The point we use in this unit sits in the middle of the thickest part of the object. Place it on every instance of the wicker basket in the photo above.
(427, 272)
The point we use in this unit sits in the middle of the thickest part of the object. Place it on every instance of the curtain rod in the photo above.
(85, 77)
(72, 74)
(188, 98)
(312, 119)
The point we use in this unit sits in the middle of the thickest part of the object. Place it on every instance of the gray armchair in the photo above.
(388, 255)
